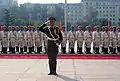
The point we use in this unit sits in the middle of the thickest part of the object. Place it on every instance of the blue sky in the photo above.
(48, 1)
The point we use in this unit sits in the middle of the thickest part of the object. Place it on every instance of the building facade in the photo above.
(88, 10)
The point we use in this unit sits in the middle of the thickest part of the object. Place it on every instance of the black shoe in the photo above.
(50, 73)
(55, 73)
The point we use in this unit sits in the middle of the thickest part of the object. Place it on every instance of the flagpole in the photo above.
(65, 15)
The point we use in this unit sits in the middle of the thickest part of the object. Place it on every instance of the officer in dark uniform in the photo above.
(54, 39)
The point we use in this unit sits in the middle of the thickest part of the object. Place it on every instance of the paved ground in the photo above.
(68, 69)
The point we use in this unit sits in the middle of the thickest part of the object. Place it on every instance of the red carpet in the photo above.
(67, 56)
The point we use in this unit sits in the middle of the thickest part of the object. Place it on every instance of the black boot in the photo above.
(94, 50)
(118, 48)
(45, 50)
(97, 50)
(33, 49)
(10, 49)
(89, 51)
(80, 51)
(5, 50)
(86, 51)
(25, 49)
(17, 49)
(72, 50)
(103, 50)
(114, 51)
(21, 50)
(13, 50)
(30, 50)
(38, 49)
(106, 50)
(111, 49)
(63, 50)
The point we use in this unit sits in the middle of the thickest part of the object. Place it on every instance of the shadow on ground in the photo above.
(66, 78)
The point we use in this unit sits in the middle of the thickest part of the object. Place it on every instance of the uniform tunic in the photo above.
(80, 38)
(113, 39)
(21, 37)
(4, 38)
(64, 42)
(105, 39)
(52, 47)
(88, 39)
(96, 39)
(71, 37)
(38, 40)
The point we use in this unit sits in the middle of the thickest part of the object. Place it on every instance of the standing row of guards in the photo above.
(28, 40)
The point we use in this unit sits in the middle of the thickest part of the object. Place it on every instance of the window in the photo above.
(113, 19)
(110, 7)
(106, 7)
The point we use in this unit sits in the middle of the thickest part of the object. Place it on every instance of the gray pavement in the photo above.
(68, 70)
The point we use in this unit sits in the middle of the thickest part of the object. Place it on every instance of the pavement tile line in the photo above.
(108, 71)
(26, 70)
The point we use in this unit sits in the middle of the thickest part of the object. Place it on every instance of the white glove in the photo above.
(47, 22)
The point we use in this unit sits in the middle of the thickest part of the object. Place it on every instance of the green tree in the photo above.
(8, 17)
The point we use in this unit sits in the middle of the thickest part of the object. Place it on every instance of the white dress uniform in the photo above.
(30, 41)
(106, 41)
(80, 39)
(4, 37)
(88, 41)
(72, 38)
(113, 41)
(38, 41)
(64, 42)
(13, 40)
(96, 41)
(118, 40)
(21, 37)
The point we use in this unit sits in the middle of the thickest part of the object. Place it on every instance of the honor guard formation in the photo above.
(29, 39)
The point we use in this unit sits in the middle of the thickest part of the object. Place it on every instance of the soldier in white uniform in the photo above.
(30, 39)
(88, 39)
(25, 39)
(113, 40)
(21, 38)
(38, 40)
(118, 40)
(102, 33)
(80, 39)
(64, 42)
(105, 36)
(13, 39)
(110, 46)
(17, 39)
(96, 39)
(9, 45)
(72, 38)
(44, 40)
(4, 37)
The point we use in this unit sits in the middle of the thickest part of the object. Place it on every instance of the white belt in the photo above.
(52, 39)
